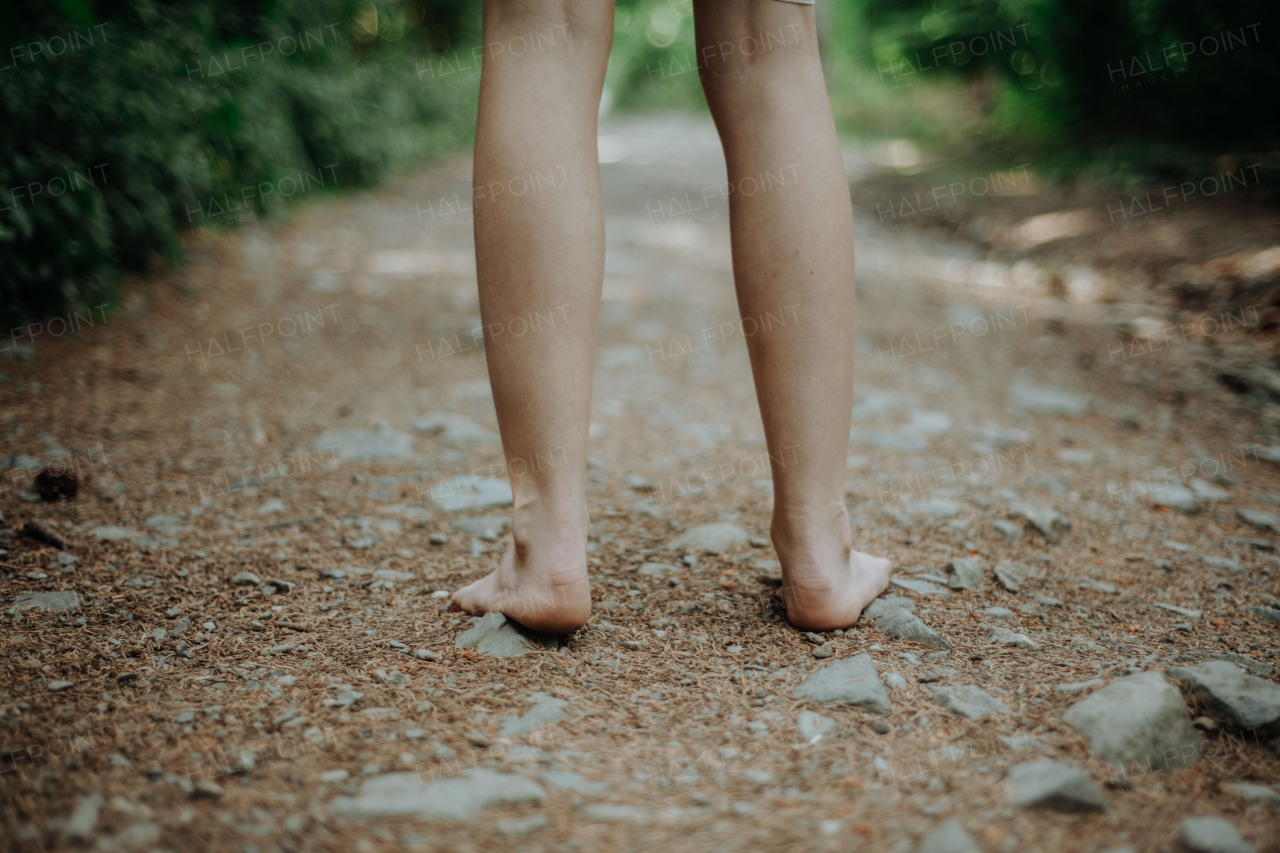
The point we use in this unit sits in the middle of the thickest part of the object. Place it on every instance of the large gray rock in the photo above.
(366, 445)
(466, 491)
(1260, 518)
(850, 681)
(902, 624)
(948, 837)
(454, 430)
(710, 539)
(60, 601)
(455, 798)
(494, 636)
(964, 573)
(968, 700)
(1047, 400)
(1139, 721)
(1233, 696)
(1044, 783)
(545, 709)
(1211, 835)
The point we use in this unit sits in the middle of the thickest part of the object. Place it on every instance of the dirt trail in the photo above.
(212, 422)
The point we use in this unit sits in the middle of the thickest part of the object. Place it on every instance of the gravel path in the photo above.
(233, 636)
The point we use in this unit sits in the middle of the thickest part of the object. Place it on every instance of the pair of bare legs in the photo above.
(542, 253)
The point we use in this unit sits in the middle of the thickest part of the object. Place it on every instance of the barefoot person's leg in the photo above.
(539, 229)
(792, 235)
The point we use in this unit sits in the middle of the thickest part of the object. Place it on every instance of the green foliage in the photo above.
(124, 123)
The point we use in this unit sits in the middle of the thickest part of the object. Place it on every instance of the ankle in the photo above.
(536, 524)
(809, 527)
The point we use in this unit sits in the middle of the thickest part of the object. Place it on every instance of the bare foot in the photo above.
(543, 588)
(826, 583)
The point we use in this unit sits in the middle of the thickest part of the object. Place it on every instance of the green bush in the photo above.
(124, 123)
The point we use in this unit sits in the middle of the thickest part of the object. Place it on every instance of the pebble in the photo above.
(1181, 611)
(426, 654)
(1211, 835)
(437, 538)
(850, 681)
(1232, 695)
(657, 570)
(79, 826)
(1011, 576)
(60, 601)
(1047, 399)
(467, 492)
(246, 579)
(710, 539)
(487, 527)
(1139, 718)
(1045, 519)
(902, 624)
(948, 837)
(825, 650)
(1007, 637)
(1175, 497)
(968, 700)
(814, 726)
(965, 573)
(1012, 532)
(453, 429)
(206, 789)
(59, 686)
(1260, 518)
(545, 709)
(1044, 783)
(923, 587)
(456, 798)
(366, 445)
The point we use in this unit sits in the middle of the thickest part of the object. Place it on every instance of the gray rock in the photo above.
(466, 492)
(1260, 794)
(1008, 637)
(79, 826)
(488, 527)
(1011, 575)
(1271, 614)
(61, 601)
(814, 726)
(1260, 518)
(246, 579)
(454, 430)
(545, 709)
(1012, 532)
(1225, 563)
(1044, 783)
(884, 603)
(657, 570)
(366, 445)
(921, 586)
(710, 539)
(901, 624)
(1208, 492)
(614, 813)
(936, 508)
(894, 681)
(1211, 835)
(1003, 614)
(1047, 520)
(948, 837)
(114, 532)
(965, 573)
(823, 651)
(1047, 400)
(1232, 695)
(968, 700)
(567, 780)
(456, 798)
(59, 686)
(494, 636)
(1139, 720)
(1187, 612)
(1175, 497)
(850, 681)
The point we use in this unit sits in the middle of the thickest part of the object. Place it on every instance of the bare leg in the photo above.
(792, 235)
(539, 228)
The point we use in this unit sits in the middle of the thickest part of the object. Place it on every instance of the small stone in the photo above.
(1047, 399)
(466, 492)
(246, 579)
(1175, 497)
(1045, 783)
(968, 700)
(437, 538)
(1012, 532)
(902, 624)
(1260, 518)
(964, 573)
(825, 650)
(710, 539)
(545, 709)
(1211, 835)
(206, 789)
(1187, 612)
(1007, 637)
(426, 654)
(59, 686)
(79, 826)
(923, 587)
(61, 601)
(948, 837)
(756, 777)
(880, 727)
(1045, 519)
(1236, 698)
(851, 681)
(487, 527)
(657, 570)
(814, 726)
(1011, 575)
